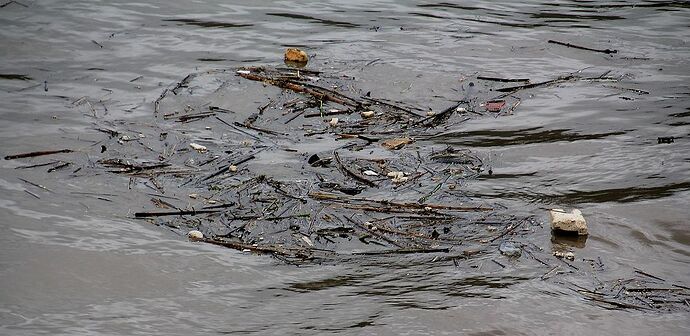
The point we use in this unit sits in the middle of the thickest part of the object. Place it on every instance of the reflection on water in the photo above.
(315, 20)
(572, 241)
(14, 76)
(501, 138)
(75, 264)
(624, 195)
(209, 24)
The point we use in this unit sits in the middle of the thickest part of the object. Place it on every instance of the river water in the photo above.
(71, 264)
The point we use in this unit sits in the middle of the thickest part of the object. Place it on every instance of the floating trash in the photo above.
(197, 147)
(510, 249)
(195, 235)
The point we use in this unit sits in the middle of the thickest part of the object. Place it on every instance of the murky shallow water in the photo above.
(71, 264)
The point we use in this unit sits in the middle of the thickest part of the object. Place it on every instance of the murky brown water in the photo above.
(72, 264)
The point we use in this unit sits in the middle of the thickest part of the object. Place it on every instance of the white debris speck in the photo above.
(307, 240)
(370, 173)
(199, 148)
(430, 113)
(398, 177)
(333, 122)
(461, 109)
(193, 196)
(195, 234)
(232, 168)
(368, 114)
(566, 255)
(244, 72)
(570, 255)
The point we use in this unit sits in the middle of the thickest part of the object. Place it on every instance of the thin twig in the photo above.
(348, 171)
(38, 153)
(605, 51)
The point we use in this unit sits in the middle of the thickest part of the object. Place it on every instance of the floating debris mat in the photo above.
(638, 291)
(370, 185)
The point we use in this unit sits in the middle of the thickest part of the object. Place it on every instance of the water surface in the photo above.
(71, 263)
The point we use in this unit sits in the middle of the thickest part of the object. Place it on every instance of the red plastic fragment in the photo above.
(495, 105)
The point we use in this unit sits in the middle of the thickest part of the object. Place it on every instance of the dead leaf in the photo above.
(296, 55)
(396, 143)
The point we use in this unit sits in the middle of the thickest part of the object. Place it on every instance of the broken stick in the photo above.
(38, 153)
(605, 51)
